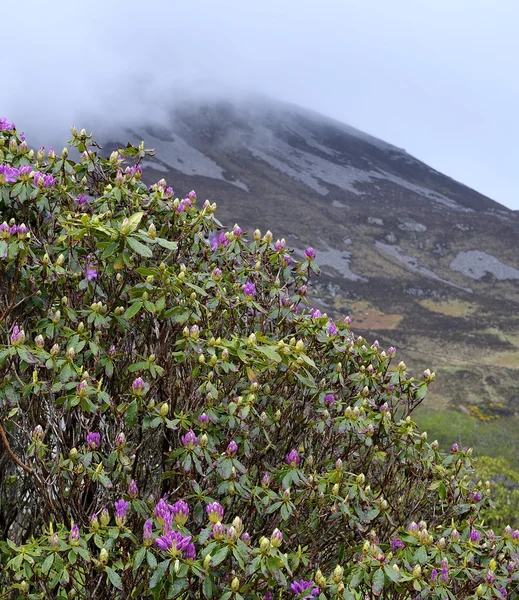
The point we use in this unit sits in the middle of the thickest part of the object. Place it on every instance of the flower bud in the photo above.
(164, 410)
(264, 545)
(417, 572)
(338, 573)
(235, 584)
(401, 366)
(207, 562)
(276, 538)
(105, 517)
(103, 555)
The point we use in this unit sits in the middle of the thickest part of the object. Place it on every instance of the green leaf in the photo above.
(420, 556)
(166, 244)
(114, 578)
(269, 352)
(132, 310)
(151, 560)
(159, 573)
(139, 557)
(139, 247)
(391, 573)
(134, 220)
(207, 587)
(130, 416)
(377, 583)
(47, 564)
(220, 556)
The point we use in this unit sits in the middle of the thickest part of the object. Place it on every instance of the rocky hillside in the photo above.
(417, 259)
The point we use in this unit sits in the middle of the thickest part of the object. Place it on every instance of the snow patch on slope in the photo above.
(476, 264)
(176, 154)
(411, 263)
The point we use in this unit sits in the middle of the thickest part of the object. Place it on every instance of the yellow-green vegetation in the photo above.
(451, 308)
(504, 486)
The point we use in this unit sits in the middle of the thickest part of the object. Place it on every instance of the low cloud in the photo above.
(437, 78)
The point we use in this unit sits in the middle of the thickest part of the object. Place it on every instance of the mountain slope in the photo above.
(415, 258)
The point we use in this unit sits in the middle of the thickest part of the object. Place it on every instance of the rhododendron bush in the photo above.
(178, 421)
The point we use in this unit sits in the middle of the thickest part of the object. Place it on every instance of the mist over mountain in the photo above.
(415, 258)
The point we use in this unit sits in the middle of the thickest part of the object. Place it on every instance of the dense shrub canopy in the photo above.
(177, 422)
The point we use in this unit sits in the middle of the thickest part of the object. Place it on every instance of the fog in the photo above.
(436, 77)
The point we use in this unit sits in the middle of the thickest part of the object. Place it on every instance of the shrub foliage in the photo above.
(176, 422)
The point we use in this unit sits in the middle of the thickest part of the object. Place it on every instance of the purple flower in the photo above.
(5, 125)
(90, 272)
(503, 592)
(454, 448)
(138, 385)
(214, 511)
(490, 578)
(329, 399)
(147, 535)
(133, 490)
(269, 596)
(434, 575)
(237, 231)
(121, 506)
(162, 511)
(25, 171)
(309, 254)
(288, 261)
(221, 241)
(81, 200)
(476, 497)
(93, 440)
(474, 536)
(43, 181)
(316, 313)
(332, 328)
(191, 195)
(397, 544)
(279, 245)
(180, 512)
(217, 274)
(218, 530)
(249, 289)
(8, 174)
(17, 336)
(265, 480)
(203, 419)
(22, 230)
(189, 440)
(176, 545)
(445, 574)
(298, 587)
(74, 535)
(391, 351)
(293, 459)
(232, 448)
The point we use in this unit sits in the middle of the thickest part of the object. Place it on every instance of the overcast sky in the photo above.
(439, 78)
